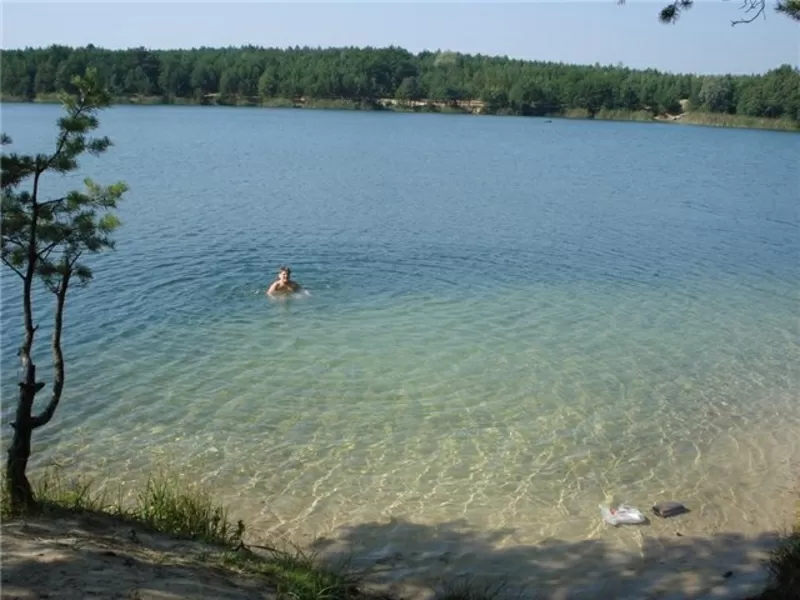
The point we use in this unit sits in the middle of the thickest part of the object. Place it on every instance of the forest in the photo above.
(375, 77)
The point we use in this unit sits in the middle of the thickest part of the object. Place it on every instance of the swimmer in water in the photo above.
(284, 284)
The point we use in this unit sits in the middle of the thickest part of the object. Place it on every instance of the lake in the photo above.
(510, 322)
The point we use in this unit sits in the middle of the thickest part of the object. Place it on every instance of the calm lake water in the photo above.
(510, 322)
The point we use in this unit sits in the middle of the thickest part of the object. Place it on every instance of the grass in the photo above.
(167, 506)
(163, 505)
(784, 567)
(466, 589)
(738, 121)
(297, 575)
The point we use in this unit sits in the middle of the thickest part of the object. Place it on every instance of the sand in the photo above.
(666, 566)
(70, 558)
(96, 557)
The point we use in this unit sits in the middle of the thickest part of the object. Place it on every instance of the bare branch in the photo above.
(42, 255)
(45, 254)
(13, 268)
(53, 202)
(17, 242)
(74, 256)
(749, 6)
(674, 8)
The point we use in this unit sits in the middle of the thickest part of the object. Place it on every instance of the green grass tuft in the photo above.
(53, 493)
(163, 505)
(188, 512)
(466, 588)
(784, 567)
(297, 575)
(76, 494)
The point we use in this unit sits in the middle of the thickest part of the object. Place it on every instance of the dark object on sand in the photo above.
(669, 509)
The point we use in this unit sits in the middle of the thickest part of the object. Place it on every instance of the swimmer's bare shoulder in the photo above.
(283, 285)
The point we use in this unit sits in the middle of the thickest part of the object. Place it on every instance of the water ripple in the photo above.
(483, 341)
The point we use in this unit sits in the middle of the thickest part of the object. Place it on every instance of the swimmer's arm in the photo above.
(272, 288)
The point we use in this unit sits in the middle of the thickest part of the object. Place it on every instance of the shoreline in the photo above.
(405, 555)
(92, 553)
(176, 539)
(469, 107)
(402, 552)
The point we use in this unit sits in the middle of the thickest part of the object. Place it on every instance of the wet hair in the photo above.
(285, 268)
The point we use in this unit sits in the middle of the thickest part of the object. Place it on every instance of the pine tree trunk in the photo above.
(20, 492)
(19, 488)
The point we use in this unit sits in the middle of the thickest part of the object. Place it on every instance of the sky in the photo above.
(585, 32)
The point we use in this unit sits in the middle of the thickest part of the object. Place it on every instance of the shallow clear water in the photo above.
(510, 321)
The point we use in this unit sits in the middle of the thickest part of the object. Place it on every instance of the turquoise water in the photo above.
(510, 321)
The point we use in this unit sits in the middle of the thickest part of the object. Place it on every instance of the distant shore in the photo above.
(466, 107)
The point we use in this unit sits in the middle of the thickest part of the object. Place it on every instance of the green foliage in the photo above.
(46, 239)
(54, 493)
(164, 505)
(188, 512)
(784, 566)
(790, 8)
(60, 230)
(465, 588)
(409, 89)
(75, 495)
(297, 575)
(272, 76)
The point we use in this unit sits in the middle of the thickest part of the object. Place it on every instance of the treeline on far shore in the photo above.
(395, 78)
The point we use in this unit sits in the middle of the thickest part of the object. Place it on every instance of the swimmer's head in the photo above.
(284, 273)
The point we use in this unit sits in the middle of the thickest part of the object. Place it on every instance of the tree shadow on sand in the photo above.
(95, 556)
(411, 560)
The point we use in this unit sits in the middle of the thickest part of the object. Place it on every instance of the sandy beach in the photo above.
(99, 557)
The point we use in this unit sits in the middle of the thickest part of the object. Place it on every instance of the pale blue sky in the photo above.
(577, 32)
